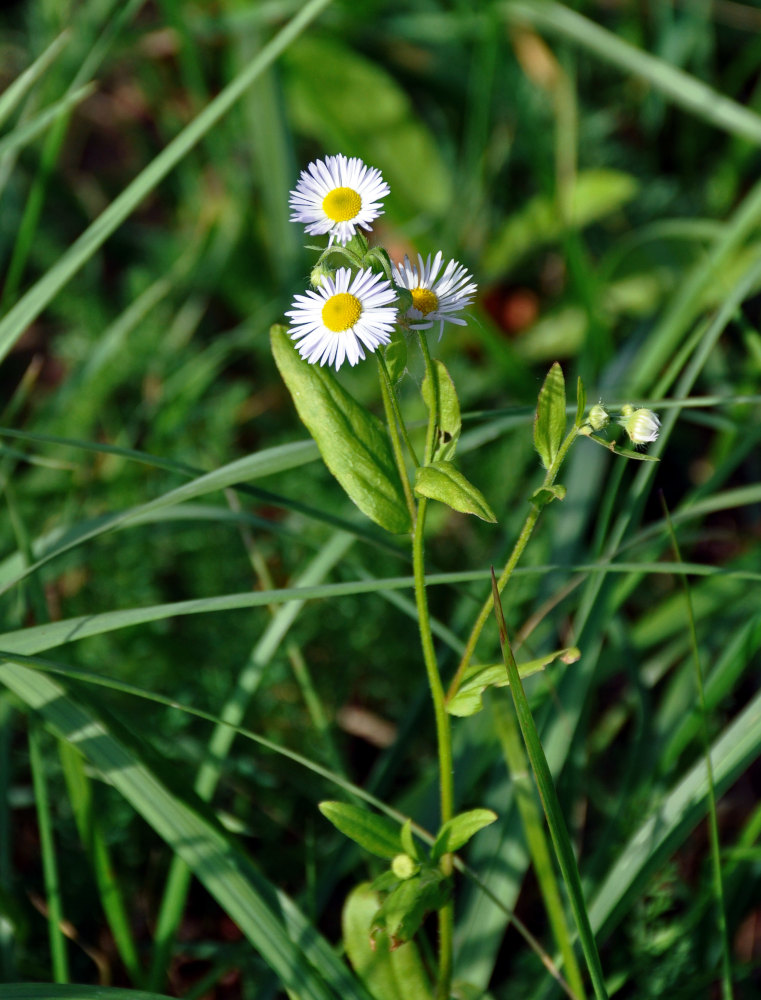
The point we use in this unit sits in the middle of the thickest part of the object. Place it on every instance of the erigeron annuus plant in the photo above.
(362, 303)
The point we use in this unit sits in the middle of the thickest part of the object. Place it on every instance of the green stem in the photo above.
(394, 421)
(443, 730)
(522, 541)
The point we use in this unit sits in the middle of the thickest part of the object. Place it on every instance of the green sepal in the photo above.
(581, 402)
(449, 423)
(458, 830)
(546, 494)
(468, 699)
(387, 971)
(550, 420)
(442, 481)
(352, 442)
(395, 355)
(405, 907)
(378, 835)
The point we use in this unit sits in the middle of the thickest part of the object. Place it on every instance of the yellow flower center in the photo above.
(341, 204)
(341, 312)
(424, 300)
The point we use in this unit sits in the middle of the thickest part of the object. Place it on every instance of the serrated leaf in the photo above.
(476, 679)
(352, 442)
(378, 835)
(457, 831)
(546, 494)
(448, 424)
(395, 355)
(404, 909)
(388, 973)
(549, 423)
(581, 402)
(442, 481)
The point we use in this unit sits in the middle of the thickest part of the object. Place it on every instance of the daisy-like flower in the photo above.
(641, 425)
(343, 317)
(336, 195)
(434, 298)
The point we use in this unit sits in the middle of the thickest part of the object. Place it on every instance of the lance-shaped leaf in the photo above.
(378, 835)
(448, 423)
(581, 402)
(442, 481)
(549, 423)
(352, 441)
(458, 830)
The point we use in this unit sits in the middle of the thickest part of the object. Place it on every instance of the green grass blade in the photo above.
(679, 812)
(43, 291)
(44, 991)
(7, 928)
(58, 951)
(683, 89)
(713, 823)
(24, 134)
(269, 921)
(558, 831)
(23, 83)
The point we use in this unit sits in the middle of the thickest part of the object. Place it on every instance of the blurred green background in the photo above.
(595, 165)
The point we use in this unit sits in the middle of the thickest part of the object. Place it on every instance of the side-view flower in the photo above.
(434, 298)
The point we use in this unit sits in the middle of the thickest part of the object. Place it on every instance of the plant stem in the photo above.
(443, 730)
(522, 541)
(394, 422)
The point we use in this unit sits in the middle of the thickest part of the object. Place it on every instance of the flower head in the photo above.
(336, 195)
(434, 298)
(641, 425)
(342, 317)
(598, 417)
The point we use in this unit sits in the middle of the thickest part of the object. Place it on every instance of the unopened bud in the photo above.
(319, 272)
(641, 425)
(403, 866)
(598, 417)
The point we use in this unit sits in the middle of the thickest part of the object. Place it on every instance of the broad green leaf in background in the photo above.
(404, 909)
(449, 422)
(457, 831)
(377, 834)
(388, 974)
(596, 193)
(549, 424)
(352, 442)
(443, 482)
(339, 97)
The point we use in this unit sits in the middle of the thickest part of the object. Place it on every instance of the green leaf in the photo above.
(442, 481)
(477, 678)
(408, 841)
(388, 973)
(352, 442)
(581, 402)
(404, 909)
(395, 355)
(549, 424)
(449, 423)
(378, 835)
(457, 831)
(639, 456)
(546, 494)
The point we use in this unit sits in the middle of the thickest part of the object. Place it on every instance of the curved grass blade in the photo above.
(15, 91)
(270, 921)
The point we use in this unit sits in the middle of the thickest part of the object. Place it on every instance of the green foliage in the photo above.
(375, 834)
(550, 420)
(442, 481)
(442, 396)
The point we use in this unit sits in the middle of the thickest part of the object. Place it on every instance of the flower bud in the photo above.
(641, 425)
(319, 272)
(403, 866)
(598, 417)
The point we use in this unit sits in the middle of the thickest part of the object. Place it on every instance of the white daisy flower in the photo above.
(342, 317)
(641, 425)
(434, 298)
(336, 195)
